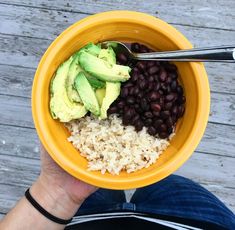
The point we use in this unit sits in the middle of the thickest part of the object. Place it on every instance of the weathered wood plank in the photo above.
(21, 173)
(196, 13)
(17, 110)
(209, 169)
(34, 23)
(9, 195)
(21, 51)
(17, 141)
(18, 171)
(13, 141)
(16, 81)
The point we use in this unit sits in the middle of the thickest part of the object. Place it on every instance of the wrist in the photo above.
(54, 199)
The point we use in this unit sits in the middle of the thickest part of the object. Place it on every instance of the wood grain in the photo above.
(22, 172)
(23, 142)
(17, 110)
(196, 13)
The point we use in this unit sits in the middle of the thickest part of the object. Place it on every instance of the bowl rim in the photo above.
(186, 150)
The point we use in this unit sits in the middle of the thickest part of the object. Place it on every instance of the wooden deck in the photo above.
(28, 27)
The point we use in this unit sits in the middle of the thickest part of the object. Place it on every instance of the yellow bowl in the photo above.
(129, 27)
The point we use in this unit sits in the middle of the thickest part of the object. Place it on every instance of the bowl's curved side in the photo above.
(46, 127)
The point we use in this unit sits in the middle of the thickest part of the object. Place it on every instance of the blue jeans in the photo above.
(174, 196)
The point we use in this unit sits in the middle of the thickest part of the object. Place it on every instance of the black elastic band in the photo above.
(43, 211)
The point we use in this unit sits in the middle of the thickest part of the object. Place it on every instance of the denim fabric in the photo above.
(175, 196)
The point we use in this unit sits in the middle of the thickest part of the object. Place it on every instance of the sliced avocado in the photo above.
(87, 94)
(108, 55)
(100, 94)
(95, 83)
(111, 94)
(60, 105)
(91, 49)
(103, 70)
(74, 69)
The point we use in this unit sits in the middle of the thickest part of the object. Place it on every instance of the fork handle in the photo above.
(212, 54)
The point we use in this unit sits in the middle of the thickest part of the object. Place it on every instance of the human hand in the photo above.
(59, 186)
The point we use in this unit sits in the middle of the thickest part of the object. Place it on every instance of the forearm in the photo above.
(25, 216)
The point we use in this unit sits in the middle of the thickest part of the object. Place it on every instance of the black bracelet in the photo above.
(43, 211)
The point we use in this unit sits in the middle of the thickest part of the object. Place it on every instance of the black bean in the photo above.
(163, 135)
(163, 75)
(134, 77)
(181, 100)
(150, 78)
(170, 97)
(124, 92)
(131, 90)
(174, 85)
(175, 110)
(165, 114)
(144, 104)
(128, 113)
(173, 75)
(164, 86)
(156, 114)
(171, 67)
(125, 122)
(127, 84)
(140, 95)
(148, 122)
(169, 122)
(152, 131)
(141, 77)
(150, 63)
(156, 86)
(156, 77)
(135, 47)
(169, 80)
(136, 91)
(121, 104)
(139, 125)
(168, 89)
(157, 123)
(169, 130)
(181, 110)
(153, 96)
(153, 70)
(179, 89)
(143, 49)
(130, 100)
(161, 101)
(143, 84)
(162, 128)
(135, 119)
(160, 91)
(140, 65)
(148, 114)
(122, 58)
(155, 107)
(112, 109)
(168, 105)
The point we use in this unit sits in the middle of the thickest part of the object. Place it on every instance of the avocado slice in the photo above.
(74, 69)
(100, 94)
(111, 94)
(60, 105)
(95, 83)
(87, 94)
(91, 49)
(102, 69)
(108, 55)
